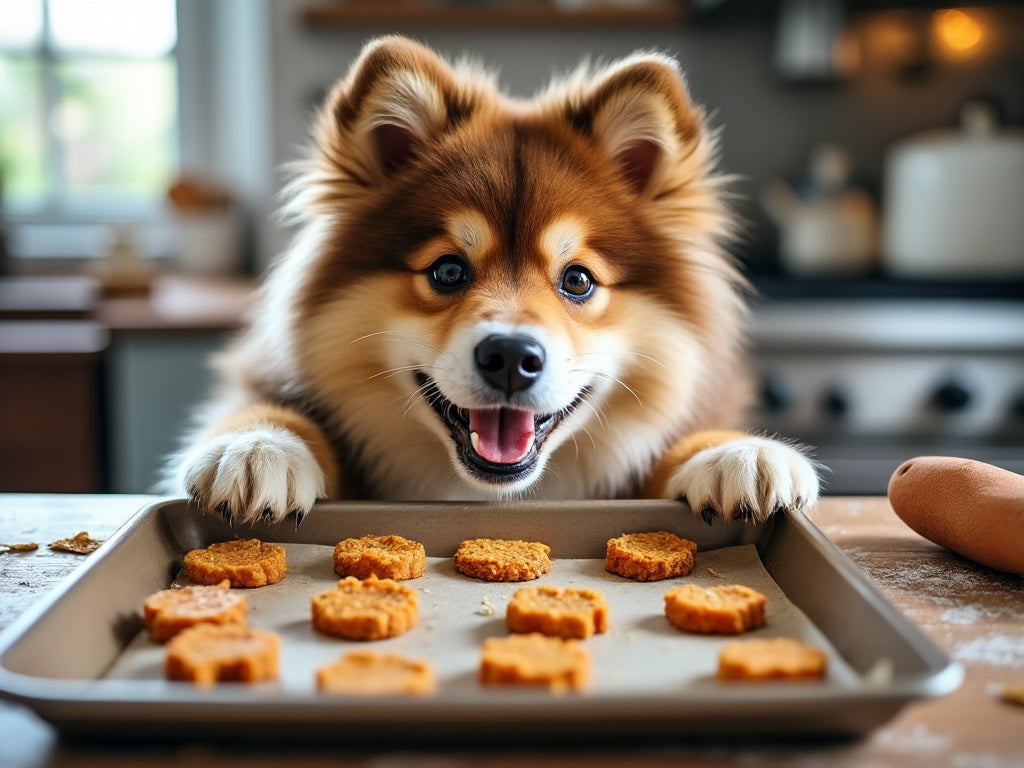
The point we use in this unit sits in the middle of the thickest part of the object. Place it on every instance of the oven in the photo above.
(869, 383)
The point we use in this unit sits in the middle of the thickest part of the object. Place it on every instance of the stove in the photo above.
(871, 382)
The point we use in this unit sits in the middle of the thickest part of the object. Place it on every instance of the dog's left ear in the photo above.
(641, 115)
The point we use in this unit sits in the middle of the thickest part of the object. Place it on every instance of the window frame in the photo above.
(56, 238)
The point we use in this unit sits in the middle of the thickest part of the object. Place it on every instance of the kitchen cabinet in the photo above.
(95, 391)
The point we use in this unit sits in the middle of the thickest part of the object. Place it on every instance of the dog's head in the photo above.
(509, 275)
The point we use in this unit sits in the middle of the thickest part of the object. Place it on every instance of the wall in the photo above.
(769, 126)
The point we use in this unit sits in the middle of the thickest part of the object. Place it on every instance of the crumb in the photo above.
(486, 608)
(1013, 693)
(28, 547)
(80, 544)
(715, 573)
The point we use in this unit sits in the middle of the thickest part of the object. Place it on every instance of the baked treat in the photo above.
(725, 610)
(650, 556)
(366, 673)
(557, 611)
(210, 653)
(502, 559)
(386, 557)
(535, 659)
(169, 611)
(366, 609)
(781, 658)
(243, 562)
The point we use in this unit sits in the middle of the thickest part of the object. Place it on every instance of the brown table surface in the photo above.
(975, 614)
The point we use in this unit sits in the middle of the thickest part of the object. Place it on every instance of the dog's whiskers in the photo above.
(614, 379)
(399, 336)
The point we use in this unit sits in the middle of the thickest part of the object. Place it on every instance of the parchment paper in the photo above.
(640, 653)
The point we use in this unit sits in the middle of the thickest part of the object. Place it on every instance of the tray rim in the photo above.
(72, 703)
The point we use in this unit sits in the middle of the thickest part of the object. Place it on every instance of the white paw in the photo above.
(266, 472)
(748, 478)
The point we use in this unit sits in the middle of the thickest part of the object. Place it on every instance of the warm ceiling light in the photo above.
(958, 29)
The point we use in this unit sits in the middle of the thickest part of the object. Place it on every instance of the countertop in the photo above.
(975, 614)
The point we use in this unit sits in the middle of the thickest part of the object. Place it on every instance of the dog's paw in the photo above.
(259, 473)
(751, 478)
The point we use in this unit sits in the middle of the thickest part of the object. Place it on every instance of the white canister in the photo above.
(954, 202)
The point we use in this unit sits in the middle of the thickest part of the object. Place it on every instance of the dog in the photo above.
(489, 298)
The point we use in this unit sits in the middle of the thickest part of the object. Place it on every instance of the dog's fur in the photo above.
(548, 275)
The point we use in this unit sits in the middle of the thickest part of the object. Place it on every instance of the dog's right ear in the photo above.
(397, 98)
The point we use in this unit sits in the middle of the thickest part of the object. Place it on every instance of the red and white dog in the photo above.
(491, 299)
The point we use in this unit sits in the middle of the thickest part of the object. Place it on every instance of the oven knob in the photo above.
(951, 396)
(775, 395)
(836, 402)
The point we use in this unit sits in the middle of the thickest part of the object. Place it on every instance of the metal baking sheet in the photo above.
(83, 661)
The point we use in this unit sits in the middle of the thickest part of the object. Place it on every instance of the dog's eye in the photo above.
(449, 273)
(577, 283)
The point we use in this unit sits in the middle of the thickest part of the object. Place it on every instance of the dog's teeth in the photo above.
(474, 438)
(529, 444)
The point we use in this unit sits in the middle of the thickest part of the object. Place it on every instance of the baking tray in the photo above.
(81, 659)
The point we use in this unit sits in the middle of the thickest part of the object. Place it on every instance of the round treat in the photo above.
(535, 659)
(169, 611)
(208, 653)
(502, 560)
(368, 609)
(366, 673)
(561, 612)
(386, 557)
(650, 556)
(726, 610)
(779, 659)
(243, 562)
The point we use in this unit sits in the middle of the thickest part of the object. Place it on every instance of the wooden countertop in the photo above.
(973, 613)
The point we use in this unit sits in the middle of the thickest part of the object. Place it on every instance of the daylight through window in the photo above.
(88, 106)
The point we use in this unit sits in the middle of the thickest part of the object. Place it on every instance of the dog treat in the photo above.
(210, 653)
(243, 562)
(170, 611)
(535, 659)
(386, 557)
(502, 560)
(80, 544)
(781, 658)
(367, 609)
(973, 508)
(557, 611)
(726, 610)
(366, 673)
(650, 556)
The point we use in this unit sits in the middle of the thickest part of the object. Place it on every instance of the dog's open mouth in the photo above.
(497, 445)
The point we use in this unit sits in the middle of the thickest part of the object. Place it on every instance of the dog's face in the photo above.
(507, 276)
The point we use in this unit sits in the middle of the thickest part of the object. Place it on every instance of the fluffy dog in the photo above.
(489, 298)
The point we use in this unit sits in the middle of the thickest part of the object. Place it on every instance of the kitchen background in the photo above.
(881, 178)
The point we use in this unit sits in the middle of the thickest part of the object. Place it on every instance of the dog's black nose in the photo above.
(509, 363)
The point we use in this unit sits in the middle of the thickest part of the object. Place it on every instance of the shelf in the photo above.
(328, 16)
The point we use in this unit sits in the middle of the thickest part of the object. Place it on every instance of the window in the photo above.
(88, 107)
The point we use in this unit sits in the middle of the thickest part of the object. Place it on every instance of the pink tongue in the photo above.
(504, 436)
